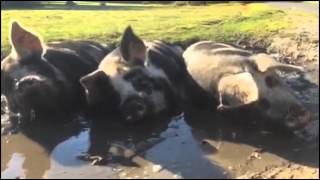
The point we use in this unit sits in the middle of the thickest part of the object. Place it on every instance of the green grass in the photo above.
(313, 2)
(220, 22)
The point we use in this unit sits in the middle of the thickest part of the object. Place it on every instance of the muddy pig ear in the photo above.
(96, 84)
(23, 41)
(237, 90)
(132, 48)
(266, 63)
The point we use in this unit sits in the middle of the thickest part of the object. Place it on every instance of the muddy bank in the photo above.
(286, 171)
(299, 46)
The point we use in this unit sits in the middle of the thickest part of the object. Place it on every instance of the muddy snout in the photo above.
(135, 109)
(35, 92)
(297, 117)
(29, 83)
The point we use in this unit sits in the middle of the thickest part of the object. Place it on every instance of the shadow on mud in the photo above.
(271, 139)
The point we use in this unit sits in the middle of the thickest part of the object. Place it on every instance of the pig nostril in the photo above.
(298, 117)
(134, 109)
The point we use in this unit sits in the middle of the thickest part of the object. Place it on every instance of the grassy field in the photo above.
(180, 24)
(313, 2)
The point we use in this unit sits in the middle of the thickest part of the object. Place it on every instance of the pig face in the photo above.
(28, 81)
(45, 79)
(265, 87)
(128, 83)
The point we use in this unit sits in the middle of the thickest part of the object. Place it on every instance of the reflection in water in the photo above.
(197, 145)
(181, 154)
(65, 164)
(134, 149)
(35, 157)
(70, 148)
(35, 144)
(120, 147)
(236, 141)
(14, 169)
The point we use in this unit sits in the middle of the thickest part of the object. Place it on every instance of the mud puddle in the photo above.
(197, 144)
(115, 152)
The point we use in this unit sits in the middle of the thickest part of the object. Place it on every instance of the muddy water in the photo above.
(133, 150)
(197, 144)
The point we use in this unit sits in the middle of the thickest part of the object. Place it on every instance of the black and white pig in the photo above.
(236, 77)
(138, 79)
(43, 80)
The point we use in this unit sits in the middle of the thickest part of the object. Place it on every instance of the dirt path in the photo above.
(300, 6)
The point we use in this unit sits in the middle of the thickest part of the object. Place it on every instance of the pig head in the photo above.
(137, 80)
(42, 80)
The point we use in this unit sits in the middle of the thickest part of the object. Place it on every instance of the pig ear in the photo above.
(24, 42)
(237, 90)
(266, 63)
(95, 85)
(132, 47)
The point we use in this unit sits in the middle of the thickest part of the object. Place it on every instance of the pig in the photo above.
(236, 78)
(138, 80)
(41, 81)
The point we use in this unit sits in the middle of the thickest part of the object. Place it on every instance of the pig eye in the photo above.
(271, 81)
(140, 80)
(144, 85)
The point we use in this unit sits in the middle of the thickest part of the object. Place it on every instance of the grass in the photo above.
(221, 22)
(313, 2)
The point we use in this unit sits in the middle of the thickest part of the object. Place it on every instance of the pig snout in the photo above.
(298, 117)
(35, 92)
(135, 110)
(28, 83)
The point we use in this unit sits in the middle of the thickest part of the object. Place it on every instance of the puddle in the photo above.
(197, 144)
(14, 168)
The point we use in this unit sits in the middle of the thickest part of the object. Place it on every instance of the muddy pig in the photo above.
(42, 81)
(138, 79)
(236, 78)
